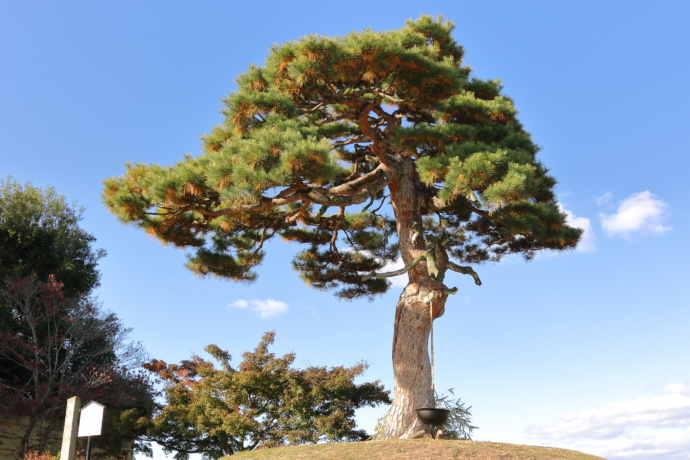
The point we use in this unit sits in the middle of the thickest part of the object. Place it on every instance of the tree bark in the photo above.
(411, 367)
(411, 363)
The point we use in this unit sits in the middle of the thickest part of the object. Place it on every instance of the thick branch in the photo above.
(298, 213)
(263, 205)
(375, 180)
(349, 193)
(372, 134)
(465, 271)
(389, 118)
(435, 204)
(390, 97)
(402, 271)
(338, 223)
(359, 139)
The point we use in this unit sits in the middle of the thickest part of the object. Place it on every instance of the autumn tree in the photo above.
(263, 402)
(55, 340)
(62, 347)
(364, 148)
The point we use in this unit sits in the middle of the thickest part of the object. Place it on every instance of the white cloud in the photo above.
(587, 241)
(396, 281)
(263, 308)
(639, 213)
(648, 428)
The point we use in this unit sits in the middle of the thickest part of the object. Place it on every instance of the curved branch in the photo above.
(402, 271)
(349, 193)
(355, 139)
(336, 228)
(363, 121)
(389, 118)
(298, 213)
(354, 192)
(435, 204)
(384, 95)
(374, 181)
(465, 271)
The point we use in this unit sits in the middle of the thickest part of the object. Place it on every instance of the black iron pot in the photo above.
(432, 415)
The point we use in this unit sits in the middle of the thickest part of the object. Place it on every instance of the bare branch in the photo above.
(338, 224)
(435, 204)
(349, 193)
(359, 139)
(465, 271)
(316, 107)
(298, 213)
(390, 97)
(402, 271)
(375, 181)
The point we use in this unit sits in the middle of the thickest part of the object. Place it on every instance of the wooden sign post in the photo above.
(69, 435)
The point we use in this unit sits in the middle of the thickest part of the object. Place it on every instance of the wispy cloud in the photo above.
(604, 199)
(639, 213)
(640, 429)
(587, 241)
(263, 308)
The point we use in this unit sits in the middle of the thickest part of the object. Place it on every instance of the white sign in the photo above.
(90, 420)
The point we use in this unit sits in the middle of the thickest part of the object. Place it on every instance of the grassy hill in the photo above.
(414, 449)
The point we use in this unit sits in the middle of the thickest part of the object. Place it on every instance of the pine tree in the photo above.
(365, 148)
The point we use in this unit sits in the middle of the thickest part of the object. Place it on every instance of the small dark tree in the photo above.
(365, 148)
(459, 423)
(264, 402)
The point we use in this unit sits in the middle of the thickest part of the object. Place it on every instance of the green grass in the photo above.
(414, 449)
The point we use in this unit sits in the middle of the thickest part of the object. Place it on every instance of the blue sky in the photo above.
(588, 350)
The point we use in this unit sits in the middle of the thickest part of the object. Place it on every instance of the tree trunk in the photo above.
(411, 367)
(411, 363)
(26, 437)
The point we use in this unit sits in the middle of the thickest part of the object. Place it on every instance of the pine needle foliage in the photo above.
(312, 143)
